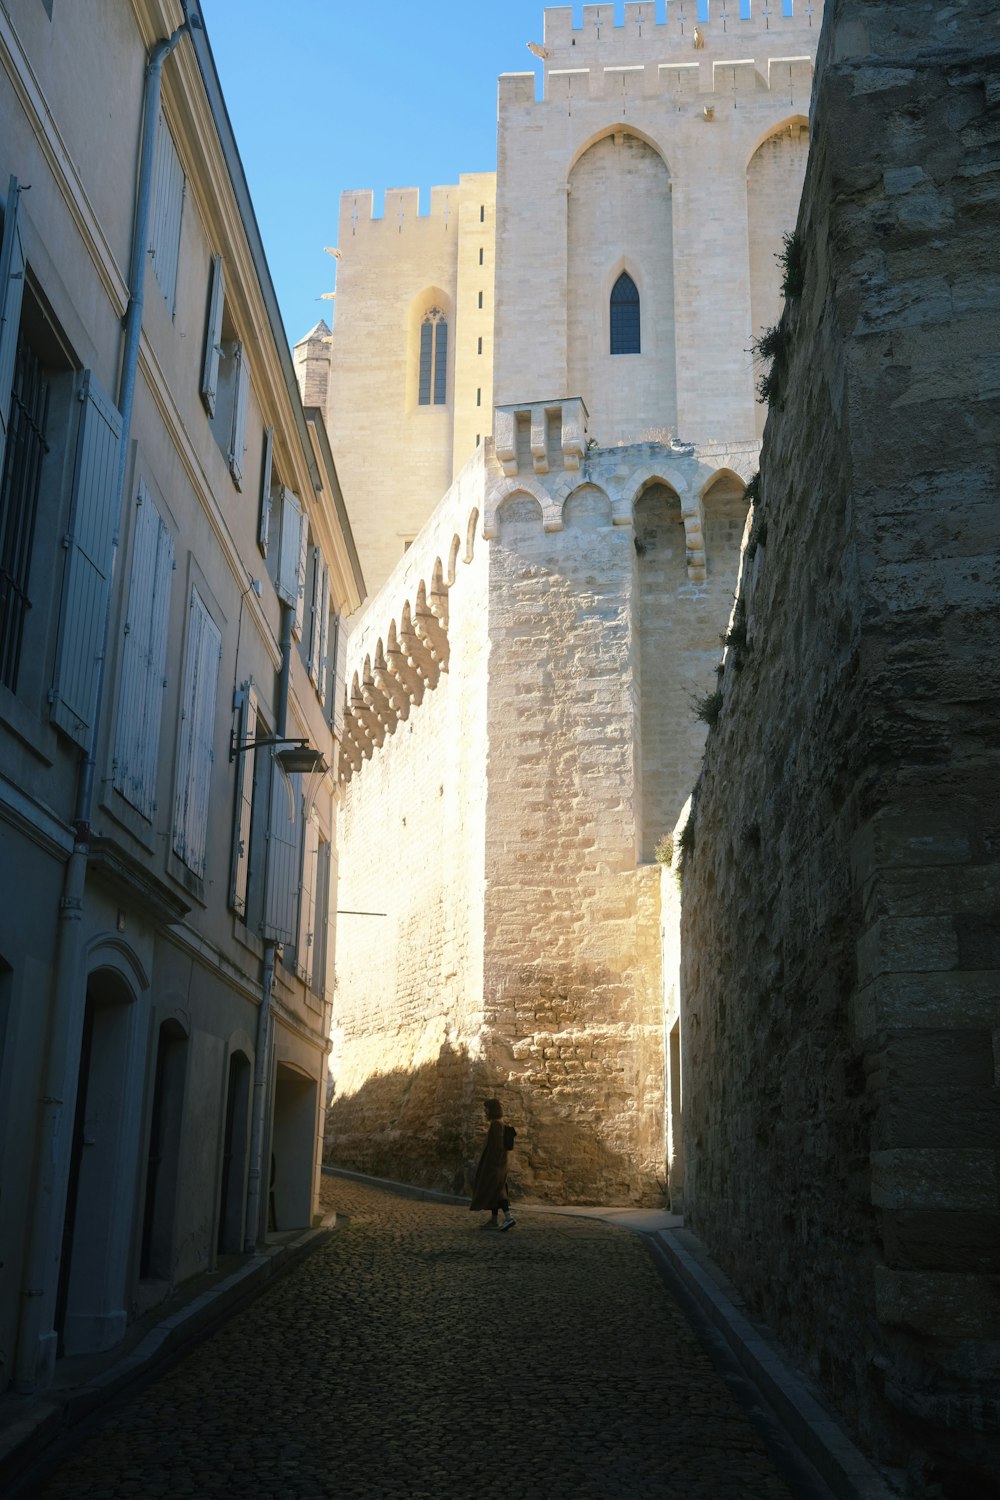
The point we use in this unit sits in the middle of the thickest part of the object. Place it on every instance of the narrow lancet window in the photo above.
(624, 316)
(433, 373)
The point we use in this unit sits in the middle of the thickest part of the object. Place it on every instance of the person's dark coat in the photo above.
(490, 1187)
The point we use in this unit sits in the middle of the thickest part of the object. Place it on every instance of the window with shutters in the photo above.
(243, 817)
(144, 656)
(196, 749)
(289, 585)
(432, 381)
(225, 377)
(305, 948)
(41, 406)
(625, 316)
(19, 487)
(321, 942)
(165, 214)
(283, 856)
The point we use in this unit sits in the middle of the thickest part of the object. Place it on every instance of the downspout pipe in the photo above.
(37, 1337)
(259, 1121)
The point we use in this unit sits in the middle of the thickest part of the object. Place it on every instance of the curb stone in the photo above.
(43, 1420)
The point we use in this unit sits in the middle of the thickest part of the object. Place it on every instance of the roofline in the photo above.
(314, 417)
(244, 203)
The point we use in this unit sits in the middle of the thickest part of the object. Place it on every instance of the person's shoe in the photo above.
(490, 1224)
(508, 1223)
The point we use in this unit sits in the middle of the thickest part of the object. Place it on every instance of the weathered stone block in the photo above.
(929, 1177)
(944, 1304)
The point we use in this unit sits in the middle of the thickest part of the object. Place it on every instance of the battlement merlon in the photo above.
(402, 206)
(725, 32)
(708, 78)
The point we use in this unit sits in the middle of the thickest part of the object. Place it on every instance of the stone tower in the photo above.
(555, 547)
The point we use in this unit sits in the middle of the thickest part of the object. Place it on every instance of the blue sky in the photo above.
(326, 95)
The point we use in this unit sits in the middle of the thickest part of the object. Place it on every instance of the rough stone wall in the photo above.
(498, 817)
(408, 1006)
(839, 987)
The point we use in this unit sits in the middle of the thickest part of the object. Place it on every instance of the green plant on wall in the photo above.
(772, 349)
(791, 259)
(664, 851)
(708, 708)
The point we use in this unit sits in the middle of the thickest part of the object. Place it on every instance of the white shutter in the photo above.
(288, 552)
(324, 636)
(239, 434)
(321, 946)
(282, 869)
(11, 292)
(264, 520)
(315, 582)
(307, 902)
(165, 219)
(140, 698)
(300, 578)
(89, 549)
(197, 752)
(213, 337)
(339, 683)
(244, 801)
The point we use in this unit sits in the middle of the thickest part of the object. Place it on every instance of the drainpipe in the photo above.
(259, 1121)
(37, 1338)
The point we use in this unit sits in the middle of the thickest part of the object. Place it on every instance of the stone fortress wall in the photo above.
(680, 164)
(839, 991)
(522, 733)
(396, 458)
(502, 790)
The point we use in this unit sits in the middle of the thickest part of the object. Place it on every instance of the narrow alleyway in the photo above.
(416, 1355)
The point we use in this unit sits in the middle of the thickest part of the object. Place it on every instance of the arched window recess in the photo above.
(433, 374)
(625, 316)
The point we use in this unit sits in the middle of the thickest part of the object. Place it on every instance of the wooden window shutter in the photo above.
(239, 434)
(140, 697)
(213, 337)
(315, 629)
(300, 578)
(321, 946)
(281, 882)
(11, 292)
(89, 550)
(307, 902)
(244, 801)
(264, 517)
(165, 219)
(323, 683)
(289, 546)
(197, 748)
(338, 660)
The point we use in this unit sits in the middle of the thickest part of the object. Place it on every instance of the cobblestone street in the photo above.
(416, 1355)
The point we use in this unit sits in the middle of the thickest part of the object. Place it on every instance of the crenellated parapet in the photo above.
(400, 648)
(542, 450)
(718, 27)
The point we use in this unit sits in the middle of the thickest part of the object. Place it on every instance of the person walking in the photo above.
(490, 1187)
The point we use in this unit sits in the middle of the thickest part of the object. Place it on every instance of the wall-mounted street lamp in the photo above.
(299, 758)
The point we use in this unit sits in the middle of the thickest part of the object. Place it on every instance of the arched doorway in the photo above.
(293, 1150)
(90, 1300)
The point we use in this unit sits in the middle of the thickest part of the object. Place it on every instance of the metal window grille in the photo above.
(625, 316)
(26, 447)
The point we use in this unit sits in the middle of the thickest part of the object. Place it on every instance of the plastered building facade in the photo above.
(553, 523)
(174, 556)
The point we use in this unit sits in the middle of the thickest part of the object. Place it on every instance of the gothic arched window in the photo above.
(433, 383)
(624, 316)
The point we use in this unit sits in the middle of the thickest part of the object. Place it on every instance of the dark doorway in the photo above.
(236, 1141)
(163, 1163)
